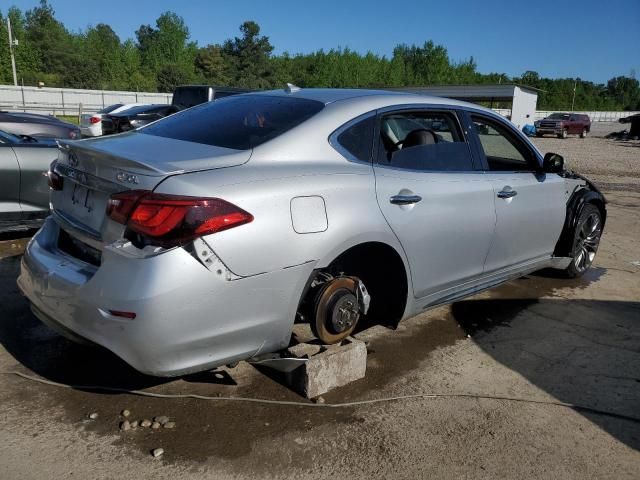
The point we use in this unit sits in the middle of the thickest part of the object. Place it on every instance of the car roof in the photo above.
(365, 96)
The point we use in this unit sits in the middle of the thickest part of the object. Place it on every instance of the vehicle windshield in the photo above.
(559, 116)
(239, 122)
(110, 108)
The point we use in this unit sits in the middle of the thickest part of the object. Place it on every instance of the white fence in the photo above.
(69, 101)
(594, 116)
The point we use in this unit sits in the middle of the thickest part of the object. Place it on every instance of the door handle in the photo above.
(405, 199)
(507, 193)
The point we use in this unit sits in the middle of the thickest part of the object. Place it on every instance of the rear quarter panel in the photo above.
(270, 242)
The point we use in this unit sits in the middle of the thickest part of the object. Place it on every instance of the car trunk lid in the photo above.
(93, 170)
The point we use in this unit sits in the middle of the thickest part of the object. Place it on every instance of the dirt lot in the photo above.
(538, 338)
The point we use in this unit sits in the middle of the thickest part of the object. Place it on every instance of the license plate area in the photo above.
(82, 204)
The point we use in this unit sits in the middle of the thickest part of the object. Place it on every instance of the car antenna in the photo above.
(291, 88)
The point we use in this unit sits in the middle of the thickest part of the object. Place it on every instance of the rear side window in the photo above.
(423, 140)
(239, 122)
(358, 139)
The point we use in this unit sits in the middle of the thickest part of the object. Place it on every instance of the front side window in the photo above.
(504, 152)
(423, 140)
(239, 122)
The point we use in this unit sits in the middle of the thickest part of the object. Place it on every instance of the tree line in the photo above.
(163, 56)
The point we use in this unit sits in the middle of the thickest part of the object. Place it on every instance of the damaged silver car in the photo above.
(200, 239)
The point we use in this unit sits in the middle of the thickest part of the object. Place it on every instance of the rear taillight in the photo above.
(170, 220)
(94, 120)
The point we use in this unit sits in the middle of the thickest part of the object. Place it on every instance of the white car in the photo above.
(91, 123)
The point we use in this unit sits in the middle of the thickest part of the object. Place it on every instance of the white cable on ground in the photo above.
(322, 405)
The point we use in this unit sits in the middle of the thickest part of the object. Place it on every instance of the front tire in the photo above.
(586, 239)
(564, 133)
(583, 134)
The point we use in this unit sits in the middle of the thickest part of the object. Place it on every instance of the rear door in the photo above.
(433, 196)
(529, 205)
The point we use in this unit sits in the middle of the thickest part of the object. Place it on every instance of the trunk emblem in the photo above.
(127, 178)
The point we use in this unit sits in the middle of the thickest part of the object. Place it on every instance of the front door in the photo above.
(529, 204)
(438, 203)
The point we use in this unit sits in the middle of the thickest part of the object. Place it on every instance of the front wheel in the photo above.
(584, 133)
(564, 133)
(585, 241)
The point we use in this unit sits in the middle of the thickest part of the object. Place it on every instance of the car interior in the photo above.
(423, 141)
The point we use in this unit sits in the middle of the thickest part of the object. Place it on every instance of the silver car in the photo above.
(24, 194)
(200, 239)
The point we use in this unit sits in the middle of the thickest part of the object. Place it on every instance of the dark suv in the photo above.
(187, 96)
(563, 124)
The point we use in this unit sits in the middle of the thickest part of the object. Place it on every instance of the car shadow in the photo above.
(582, 352)
(55, 358)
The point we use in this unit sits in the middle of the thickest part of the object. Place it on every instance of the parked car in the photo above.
(37, 126)
(187, 96)
(563, 125)
(134, 117)
(91, 123)
(24, 193)
(197, 241)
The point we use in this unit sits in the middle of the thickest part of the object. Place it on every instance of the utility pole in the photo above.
(573, 99)
(13, 58)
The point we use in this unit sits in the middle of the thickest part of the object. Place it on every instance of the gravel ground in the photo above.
(612, 164)
(538, 338)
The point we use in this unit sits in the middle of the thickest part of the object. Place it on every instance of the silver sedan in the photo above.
(200, 239)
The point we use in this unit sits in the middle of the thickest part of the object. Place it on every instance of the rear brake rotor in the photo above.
(337, 310)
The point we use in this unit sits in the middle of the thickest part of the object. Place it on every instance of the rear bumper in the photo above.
(187, 317)
(92, 131)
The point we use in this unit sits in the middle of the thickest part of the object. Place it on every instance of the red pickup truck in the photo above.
(563, 124)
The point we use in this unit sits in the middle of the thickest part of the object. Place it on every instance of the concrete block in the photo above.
(330, 368)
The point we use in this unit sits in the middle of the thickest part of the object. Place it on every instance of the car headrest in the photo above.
(421, 136)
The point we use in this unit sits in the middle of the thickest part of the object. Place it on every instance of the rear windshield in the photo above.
(239, 122)
(110, 108)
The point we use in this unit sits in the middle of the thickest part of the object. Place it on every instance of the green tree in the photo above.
(211, 65)
(167, 44)
(248, 58)
(53, 44)
(170, 76)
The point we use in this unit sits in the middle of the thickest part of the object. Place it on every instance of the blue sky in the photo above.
(591, 39)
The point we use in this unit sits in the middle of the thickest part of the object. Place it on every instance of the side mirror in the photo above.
(553, 163)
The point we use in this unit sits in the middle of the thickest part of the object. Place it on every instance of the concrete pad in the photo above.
(328, 368)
